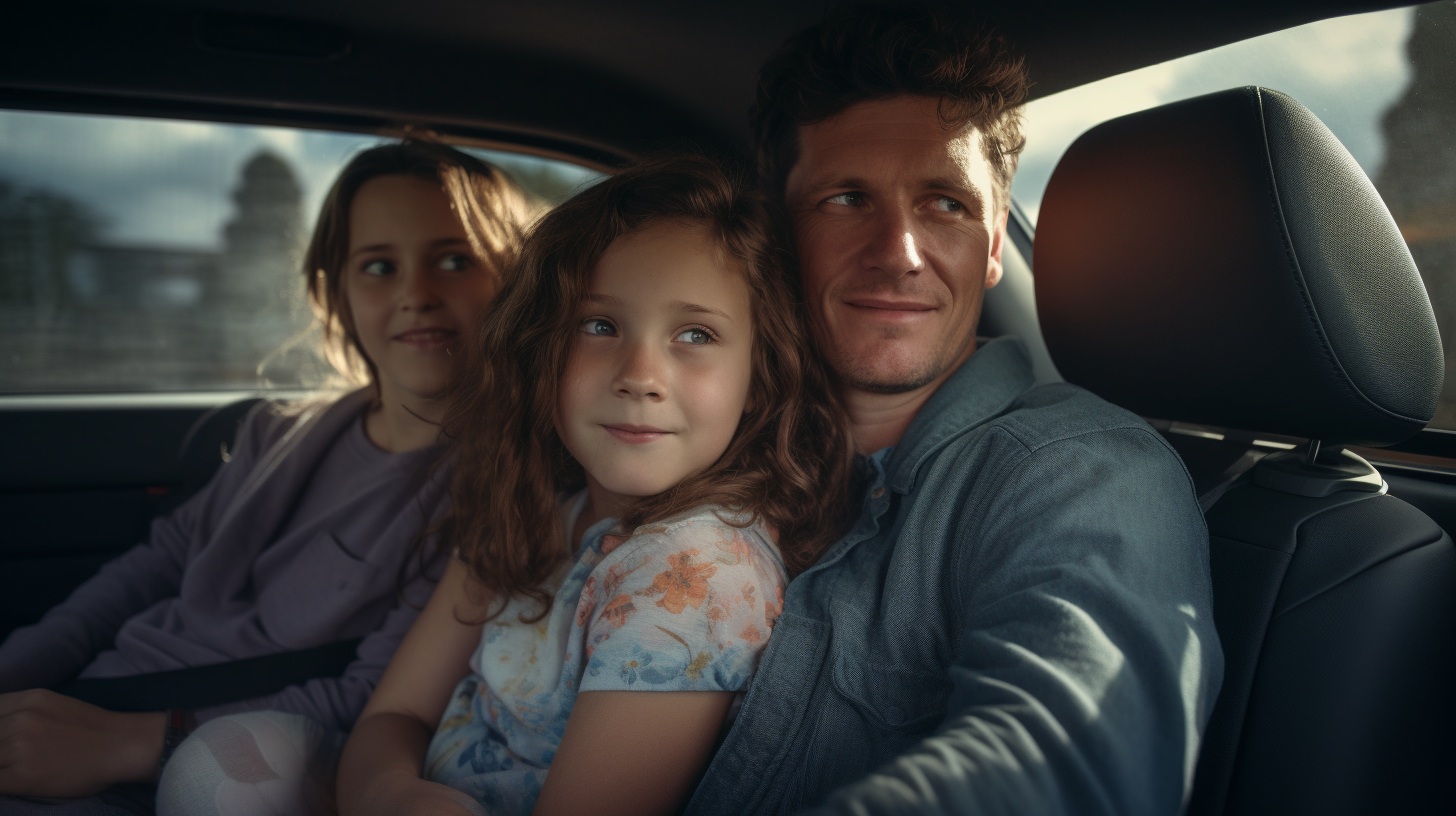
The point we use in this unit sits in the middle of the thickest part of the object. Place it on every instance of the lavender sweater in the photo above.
(295, 543)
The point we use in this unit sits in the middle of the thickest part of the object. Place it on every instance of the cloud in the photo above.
(1347, 70)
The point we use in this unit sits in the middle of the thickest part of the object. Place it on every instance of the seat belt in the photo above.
(215, 684)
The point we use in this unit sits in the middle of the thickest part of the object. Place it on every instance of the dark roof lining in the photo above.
(588, 77)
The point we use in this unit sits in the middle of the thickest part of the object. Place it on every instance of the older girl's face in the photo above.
(660, 367)
(412, 284)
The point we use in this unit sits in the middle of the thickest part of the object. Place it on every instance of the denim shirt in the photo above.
(1019, 622)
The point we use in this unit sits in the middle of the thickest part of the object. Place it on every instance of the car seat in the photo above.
(1224, 261)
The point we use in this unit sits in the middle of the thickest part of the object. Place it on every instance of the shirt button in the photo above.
(877, 492)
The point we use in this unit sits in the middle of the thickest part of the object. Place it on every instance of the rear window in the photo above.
(151, 255)
(1384, 83)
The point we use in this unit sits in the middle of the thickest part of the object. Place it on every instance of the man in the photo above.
(1020, 620)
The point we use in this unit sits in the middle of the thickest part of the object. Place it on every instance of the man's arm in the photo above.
(1087, 661)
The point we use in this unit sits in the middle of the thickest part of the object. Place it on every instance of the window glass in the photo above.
(143, 255)
(1384, 83)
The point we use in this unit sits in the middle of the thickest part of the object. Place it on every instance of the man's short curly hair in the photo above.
(863, 53)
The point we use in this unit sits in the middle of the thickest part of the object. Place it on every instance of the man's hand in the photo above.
(53, 745)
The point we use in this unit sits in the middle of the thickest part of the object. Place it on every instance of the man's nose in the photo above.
(640, 373)
(894, 247)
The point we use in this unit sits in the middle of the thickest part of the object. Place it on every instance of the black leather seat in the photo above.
(1224, 261)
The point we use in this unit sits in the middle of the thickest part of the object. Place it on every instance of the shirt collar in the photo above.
(994, 377)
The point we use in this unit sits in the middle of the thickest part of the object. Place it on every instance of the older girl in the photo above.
(647, 450)
(300, 540)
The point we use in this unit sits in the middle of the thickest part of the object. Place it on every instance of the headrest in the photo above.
(1223, 260)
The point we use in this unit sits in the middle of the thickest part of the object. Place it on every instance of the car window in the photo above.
(153, 255)
(1384, 83)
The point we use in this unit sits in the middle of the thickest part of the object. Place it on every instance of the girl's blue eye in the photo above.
(378, 268)
(455, 263)
(696, 337)
(598, 327)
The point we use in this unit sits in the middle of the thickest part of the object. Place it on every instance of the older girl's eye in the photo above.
(455, 263)
(380, 267)
(696, 337)
(597, 327)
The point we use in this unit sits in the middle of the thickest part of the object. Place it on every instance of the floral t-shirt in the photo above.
(686, 605)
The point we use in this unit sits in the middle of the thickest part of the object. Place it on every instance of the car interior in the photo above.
(1221, 266)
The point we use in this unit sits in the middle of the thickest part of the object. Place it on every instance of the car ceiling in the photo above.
(596, 79)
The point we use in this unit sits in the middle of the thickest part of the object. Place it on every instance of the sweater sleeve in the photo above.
(1087, 662)
(337, 701)
(71, 634)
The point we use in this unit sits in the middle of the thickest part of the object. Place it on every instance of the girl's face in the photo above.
(660, 367)
(411, 282)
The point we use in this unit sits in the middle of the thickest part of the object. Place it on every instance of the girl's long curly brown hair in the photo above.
(789, 463)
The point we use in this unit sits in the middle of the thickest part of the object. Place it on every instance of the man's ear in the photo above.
(998, 241)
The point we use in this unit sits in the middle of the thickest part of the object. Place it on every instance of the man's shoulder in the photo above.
(1055, 412)
(1048, 423)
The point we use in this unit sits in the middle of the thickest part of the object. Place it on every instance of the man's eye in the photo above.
(945, 204)
(455, 263)
(850, 199)
(377, 268)
(696, 337)
(598, 327)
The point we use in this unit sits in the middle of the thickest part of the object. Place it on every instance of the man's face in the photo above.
(898, 241)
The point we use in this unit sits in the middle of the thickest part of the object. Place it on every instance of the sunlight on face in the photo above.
(660, 367)
(898, 240)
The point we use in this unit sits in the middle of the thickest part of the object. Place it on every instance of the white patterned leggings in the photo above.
(253, 764)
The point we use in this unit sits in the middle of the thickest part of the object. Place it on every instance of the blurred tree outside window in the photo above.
(148, 255)
(1384, 83)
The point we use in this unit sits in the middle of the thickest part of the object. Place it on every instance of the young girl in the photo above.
(641, 420)
(298, 541)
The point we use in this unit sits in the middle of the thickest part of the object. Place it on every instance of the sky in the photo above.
(1348, 70)
(166, 183)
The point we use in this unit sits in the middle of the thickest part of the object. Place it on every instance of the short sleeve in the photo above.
(684, 607)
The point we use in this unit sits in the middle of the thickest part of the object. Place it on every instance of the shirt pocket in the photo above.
(762, 756)
(892, 698)
(315, 597)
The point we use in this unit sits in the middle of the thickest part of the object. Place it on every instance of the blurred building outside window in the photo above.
(148, 255)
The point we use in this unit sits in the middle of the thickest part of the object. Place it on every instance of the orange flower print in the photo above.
(740, 548)
(612, 542)
(771, 609)
(718, 612)
(750, 634)
(618, 610)
(683, 584)
(748, 593)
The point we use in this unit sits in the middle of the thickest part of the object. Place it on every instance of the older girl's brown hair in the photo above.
(789, 462)
(491, 207)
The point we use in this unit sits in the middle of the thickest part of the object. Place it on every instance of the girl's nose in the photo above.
(417, 290)
(640, 375)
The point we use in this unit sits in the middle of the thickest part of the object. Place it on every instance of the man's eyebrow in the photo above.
(840, 183)
(943, 184)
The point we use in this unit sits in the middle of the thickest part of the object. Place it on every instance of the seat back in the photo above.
(1224, 261)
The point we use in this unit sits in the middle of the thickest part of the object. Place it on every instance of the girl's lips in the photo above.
(635, 434)
(426, 338)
